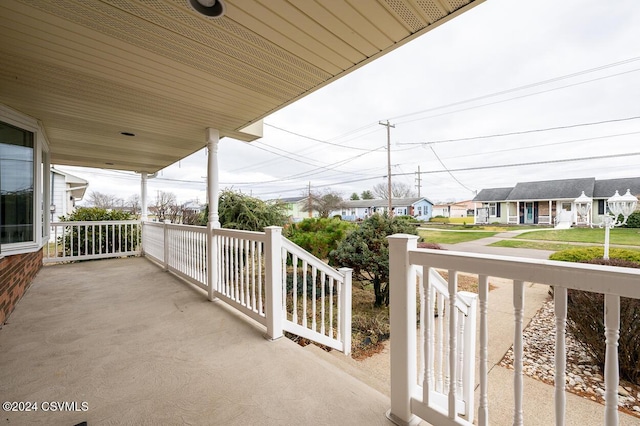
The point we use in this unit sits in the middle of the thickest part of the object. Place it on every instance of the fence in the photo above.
(73, 241)
(409, 400)
(261, 275)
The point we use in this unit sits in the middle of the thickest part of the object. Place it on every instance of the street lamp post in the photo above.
(619, 205)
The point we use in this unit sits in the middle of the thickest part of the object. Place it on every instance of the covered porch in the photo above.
(140, 346)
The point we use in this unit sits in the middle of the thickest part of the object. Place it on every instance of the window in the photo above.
(16, 185)
(492, 209)
(24, 184)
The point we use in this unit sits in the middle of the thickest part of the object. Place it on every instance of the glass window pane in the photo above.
(16, 184)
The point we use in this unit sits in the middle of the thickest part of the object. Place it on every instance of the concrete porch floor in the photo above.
(139, 346)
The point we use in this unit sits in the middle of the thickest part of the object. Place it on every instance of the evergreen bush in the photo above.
(319, 236)
(366, 251)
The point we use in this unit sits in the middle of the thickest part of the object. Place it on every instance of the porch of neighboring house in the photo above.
(527, 212)
(533, 212)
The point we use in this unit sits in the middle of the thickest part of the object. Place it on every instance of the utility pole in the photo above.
(389, 126)
(419, 179)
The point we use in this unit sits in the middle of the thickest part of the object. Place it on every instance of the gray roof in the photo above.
(290, 199)
(552, 189)
(493, 194)
(561, 189)
(607, 187)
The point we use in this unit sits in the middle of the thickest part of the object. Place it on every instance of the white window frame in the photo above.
(493, 209)
(41, 182)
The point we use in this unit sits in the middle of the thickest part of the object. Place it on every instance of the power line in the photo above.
(447, 170)
(533, 163)
(523, 87)
(519, 97)
(315, 139)
(542, 145)
(522, 132)
(311, 172)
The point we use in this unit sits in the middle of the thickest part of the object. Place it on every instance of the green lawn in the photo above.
(539, 245)
(453, 237)
(625, 236)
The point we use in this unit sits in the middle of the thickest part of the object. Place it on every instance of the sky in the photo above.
(510, 91)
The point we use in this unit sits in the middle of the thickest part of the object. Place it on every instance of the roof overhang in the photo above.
(95, 71)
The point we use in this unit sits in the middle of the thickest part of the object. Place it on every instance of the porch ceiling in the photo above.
(158, 69)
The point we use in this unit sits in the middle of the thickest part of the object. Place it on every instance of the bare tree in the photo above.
(398, 190)
(133, 204)
(323, 202)
(165, 201)
(104, 201)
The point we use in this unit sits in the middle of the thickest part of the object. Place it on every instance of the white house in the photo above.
(549, 202)
(66, 191)
(418, 207)
(457, 209)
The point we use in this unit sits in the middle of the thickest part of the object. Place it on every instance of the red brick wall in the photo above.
(16, 274)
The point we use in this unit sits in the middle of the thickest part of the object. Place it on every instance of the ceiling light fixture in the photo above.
(208, 8)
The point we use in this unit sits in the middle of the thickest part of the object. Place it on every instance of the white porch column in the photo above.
(144, 214)
(213, 222)
(213, 183)
(402, 309)
(273, 285)
(507, 208)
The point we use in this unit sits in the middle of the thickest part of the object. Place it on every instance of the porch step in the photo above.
(563, 225)
(374, 377)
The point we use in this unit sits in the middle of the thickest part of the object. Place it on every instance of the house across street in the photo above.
(549, 202)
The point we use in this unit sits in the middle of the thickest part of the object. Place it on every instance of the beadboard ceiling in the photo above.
(90, 70)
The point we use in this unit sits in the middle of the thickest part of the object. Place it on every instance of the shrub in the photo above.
(633, 221)
(409, 219)
(97, 239)
(241, 211)
(366, 250)
(585, 254)
(585, 313)
(319, 235)
(439, 219)
(434, 246)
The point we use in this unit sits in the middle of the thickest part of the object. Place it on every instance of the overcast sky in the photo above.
(503, 67)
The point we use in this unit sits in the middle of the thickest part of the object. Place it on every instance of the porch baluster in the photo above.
(518, 383)
(611, 378)
(560, 307)
(483, 291)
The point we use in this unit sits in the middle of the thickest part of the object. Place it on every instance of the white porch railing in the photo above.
(544, 219)
(316, 298)
(409, 401)
(73, 241)
(261, 274)
(435, 345)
